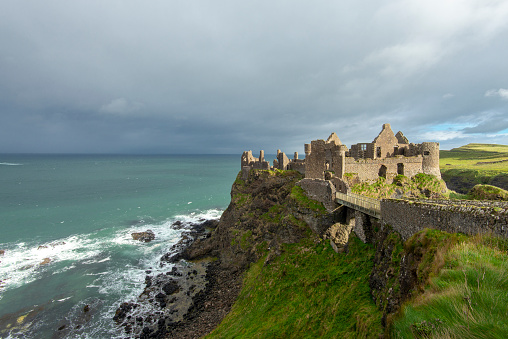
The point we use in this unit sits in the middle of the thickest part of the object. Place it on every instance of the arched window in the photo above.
(400, 168)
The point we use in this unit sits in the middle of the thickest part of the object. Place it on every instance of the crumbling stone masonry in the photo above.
(386, 156)
(468, 217)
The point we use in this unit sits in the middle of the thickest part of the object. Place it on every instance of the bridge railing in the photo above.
(365, 204)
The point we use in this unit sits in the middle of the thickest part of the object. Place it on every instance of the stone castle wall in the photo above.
(369, 169)
(468, 217)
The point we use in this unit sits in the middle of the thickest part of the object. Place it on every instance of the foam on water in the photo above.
(25, 263)
(10, 164)
(113, 263)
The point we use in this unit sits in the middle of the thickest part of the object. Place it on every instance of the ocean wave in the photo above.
(23, 263)
(106, 262)
(10, 164)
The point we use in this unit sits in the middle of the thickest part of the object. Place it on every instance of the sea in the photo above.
(67, 257)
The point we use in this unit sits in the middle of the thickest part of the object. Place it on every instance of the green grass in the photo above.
(464, 167)
(308, 292)
(410, 187)
(487, 192)
(467, 299)
(475, 156)
(298, 195)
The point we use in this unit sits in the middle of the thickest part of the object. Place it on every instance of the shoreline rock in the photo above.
(145, 236)
(168, 296)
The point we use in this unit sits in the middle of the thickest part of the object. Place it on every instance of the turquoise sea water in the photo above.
(76, 212)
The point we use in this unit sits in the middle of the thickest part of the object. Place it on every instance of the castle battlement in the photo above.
(386, 156)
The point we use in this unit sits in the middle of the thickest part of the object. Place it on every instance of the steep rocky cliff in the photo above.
(266, 210)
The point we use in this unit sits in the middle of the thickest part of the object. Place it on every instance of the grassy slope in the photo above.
(403, 186)
(472, 164)
(308, 292)
(475, 156)
(467, 299)
(311, 291)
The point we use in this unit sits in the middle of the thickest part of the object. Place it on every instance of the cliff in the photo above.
(271, 273)
(270, 241)
(267, 210)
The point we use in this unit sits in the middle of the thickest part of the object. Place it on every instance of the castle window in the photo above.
(363, 147)
(382, 171)
(378, 152)
(400, 168)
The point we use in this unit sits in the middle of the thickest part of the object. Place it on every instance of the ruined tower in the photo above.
(430, 154)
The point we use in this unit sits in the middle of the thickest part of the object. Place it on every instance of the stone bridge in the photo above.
(408, 217)
(360, 203)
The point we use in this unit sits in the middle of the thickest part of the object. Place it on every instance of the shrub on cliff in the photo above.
(488, 192)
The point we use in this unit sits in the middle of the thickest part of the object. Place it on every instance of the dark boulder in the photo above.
(171, 287)
(146, 236)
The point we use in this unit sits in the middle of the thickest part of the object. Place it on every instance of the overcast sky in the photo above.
(122, 76)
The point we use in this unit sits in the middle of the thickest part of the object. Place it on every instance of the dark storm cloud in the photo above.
(224, 76)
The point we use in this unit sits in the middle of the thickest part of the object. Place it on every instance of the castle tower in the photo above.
(339, 158)
(430, 154)
(307, 150)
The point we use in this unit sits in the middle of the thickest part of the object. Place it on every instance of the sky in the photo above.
(175, 76)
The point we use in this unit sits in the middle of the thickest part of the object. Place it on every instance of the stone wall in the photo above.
(320, 190)
(385, 141)
(468, 217)
(315, 161)
(369, 169)
(297, 165)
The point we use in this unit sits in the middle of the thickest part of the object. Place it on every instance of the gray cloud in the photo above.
(202, 77)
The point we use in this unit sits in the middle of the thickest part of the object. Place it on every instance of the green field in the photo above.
(464, 167)
(481, 157)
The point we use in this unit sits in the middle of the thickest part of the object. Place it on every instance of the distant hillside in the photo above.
(464, 167)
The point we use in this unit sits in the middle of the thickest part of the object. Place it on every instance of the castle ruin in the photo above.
(386, 156)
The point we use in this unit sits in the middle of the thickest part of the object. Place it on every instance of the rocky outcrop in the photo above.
(45, 261)
(168, 296)
(267, 210)
(339, 236)
(145, 236)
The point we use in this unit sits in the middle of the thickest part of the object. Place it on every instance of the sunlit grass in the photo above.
(482, 157)
(467, 299)
(308, 292)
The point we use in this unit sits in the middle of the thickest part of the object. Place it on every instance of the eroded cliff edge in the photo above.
(267, 210)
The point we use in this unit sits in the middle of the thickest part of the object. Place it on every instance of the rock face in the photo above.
(402, 268)
(266, 211)
(146, 236)
(339, 236)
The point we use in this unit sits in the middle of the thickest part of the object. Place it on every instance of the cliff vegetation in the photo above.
(309, 291)
(420, 186)
(294, 285)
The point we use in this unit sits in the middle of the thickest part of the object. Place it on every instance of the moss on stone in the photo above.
(298, 195)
